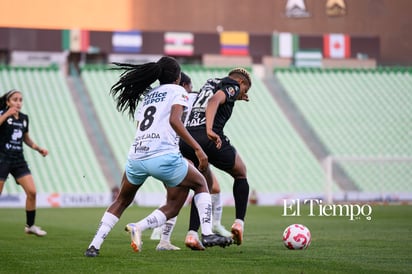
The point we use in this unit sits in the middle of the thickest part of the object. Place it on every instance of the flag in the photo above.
(76, 40)
(127, 41)
(336, 45)
(285, 44)
(234, 43)
(178, 43)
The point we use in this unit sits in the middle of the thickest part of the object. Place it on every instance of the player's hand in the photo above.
(245, 97)
(215, 138)
(12, 111)
(44, 152)
(203, 161)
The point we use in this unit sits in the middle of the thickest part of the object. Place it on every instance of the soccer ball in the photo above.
(296, 236)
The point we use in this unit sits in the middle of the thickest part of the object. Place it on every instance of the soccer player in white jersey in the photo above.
(164, 232)
(155, 152)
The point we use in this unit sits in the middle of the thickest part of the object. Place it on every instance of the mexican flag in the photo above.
(76, 40)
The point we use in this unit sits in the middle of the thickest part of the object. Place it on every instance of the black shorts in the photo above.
(223, 158)
(16, 166)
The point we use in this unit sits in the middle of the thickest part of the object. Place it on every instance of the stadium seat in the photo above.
(55, 124)
(358, 112)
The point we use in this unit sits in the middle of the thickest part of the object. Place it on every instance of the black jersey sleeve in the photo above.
(230, 87)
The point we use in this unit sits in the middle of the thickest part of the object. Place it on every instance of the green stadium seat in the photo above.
(358, 113)
(71, 166)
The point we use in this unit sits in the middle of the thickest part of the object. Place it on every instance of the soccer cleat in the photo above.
(192, 241)
(157, 233)
(163, 245)
(237, 232)
(91, 252)
(136, 236)
(221, 230)
(36, 230)
(214, 239)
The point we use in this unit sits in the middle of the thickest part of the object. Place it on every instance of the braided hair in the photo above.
(136, 81)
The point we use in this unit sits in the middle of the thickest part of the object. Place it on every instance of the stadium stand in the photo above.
(359, 113)
(71, 166)
(353, 112)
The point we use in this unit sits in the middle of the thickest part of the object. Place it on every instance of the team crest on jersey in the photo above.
(231, 91)
(185, 97)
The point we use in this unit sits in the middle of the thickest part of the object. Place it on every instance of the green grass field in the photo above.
(380, 245)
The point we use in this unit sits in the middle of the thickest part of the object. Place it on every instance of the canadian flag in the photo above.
(336, 45)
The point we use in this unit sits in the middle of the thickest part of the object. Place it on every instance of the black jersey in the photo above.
(197, 117)
(11, 134)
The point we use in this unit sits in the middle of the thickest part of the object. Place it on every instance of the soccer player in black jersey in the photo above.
(164, 233)
(210, 112)
(14, 130)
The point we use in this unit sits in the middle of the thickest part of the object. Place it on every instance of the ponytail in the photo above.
(136, 81)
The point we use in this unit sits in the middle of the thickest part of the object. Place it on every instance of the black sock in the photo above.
(194, 222)
(241, 195)
(30, 216)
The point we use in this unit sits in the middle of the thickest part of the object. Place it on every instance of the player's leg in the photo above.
(157, 232)
(217, 209)
(163, 234)
(172, 173)
(27, 183)
(241, 196)
(196, 181)
(227, 159)
(192, 238)
(4, 172)
(112, 215)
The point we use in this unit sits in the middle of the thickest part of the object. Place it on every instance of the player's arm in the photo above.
(9, 112)
(175, 121)
(217, 99)
(28, 141)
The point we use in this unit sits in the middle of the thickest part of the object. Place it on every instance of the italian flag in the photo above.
(336, 45)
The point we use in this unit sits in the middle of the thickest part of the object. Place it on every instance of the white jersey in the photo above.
(154, 135)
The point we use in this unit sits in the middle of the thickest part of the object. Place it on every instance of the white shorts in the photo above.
(171, 169)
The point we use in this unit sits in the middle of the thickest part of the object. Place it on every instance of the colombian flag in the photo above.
(234, 43)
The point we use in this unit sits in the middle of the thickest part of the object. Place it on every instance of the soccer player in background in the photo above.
(155, 152)
(164, 233)
(14, 130)
(211, 110)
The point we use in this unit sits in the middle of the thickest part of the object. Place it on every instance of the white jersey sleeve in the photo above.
(154, 134)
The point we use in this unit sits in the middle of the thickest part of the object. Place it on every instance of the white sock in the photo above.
(216, 208)
(167, 229)
(154, 219)
(204, 207)
(106, 224)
